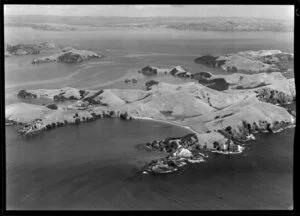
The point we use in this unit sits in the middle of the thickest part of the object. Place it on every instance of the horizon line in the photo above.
(91, 16)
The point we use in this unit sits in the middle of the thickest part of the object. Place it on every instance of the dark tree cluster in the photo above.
(52, 106)
(25, 94)
(210, 61)
(150, 83)
(148, 70)
(273, 96)
(70, 57)
(201, 76)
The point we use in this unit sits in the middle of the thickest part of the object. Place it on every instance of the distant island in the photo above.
(66, 55)
(218, 120)
(29, 49)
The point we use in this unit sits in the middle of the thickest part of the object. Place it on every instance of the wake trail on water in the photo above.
(112, 81)
(137, 54)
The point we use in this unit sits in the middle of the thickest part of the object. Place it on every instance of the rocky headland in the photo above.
(29, 49)
(250, 61)
(68, 55)
(218, 120)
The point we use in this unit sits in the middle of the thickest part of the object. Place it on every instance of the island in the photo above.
(58, 54)
(29, 49)
(250, 61)
(68, 55)
(219, 120)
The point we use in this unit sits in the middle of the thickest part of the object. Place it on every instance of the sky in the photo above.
(257, 11)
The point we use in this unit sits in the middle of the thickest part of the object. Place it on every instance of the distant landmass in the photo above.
(57, 23)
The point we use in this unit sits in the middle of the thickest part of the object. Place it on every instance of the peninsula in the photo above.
(250, 61)
(218, 120)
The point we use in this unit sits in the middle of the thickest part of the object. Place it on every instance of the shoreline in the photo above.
(166, 122)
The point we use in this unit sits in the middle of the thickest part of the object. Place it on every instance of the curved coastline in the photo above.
(166, 122)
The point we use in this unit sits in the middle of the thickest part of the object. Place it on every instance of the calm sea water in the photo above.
(96, 165)
(125, 53)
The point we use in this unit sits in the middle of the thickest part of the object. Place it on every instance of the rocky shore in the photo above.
(179, 151)
(250, 61)
(219, 120)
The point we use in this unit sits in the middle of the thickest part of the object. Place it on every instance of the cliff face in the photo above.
(250, 61)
